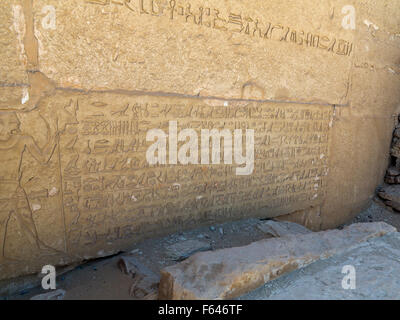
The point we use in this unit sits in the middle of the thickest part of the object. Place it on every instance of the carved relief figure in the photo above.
(13, 145)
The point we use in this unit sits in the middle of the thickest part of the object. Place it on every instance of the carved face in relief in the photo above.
(9, 124)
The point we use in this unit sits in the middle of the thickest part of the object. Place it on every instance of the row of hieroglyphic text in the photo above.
(234, 22)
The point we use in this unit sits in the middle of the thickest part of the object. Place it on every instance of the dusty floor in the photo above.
(102, 279)
(379, 212)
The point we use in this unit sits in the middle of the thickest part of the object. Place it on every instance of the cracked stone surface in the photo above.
(377, 266)
(229, 273)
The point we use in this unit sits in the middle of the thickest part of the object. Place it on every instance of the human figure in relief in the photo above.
(13, 145)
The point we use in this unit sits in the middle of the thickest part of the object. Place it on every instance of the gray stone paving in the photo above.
(377, 265)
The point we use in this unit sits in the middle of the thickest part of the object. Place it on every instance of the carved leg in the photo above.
(26, 223)
(4, 218)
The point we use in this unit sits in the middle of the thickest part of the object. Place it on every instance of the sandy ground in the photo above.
(102, 279)
(379, 212)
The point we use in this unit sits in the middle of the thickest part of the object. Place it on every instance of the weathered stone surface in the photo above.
(394, 172)
(184, 249)
(101, 76)
(282, 228)
(12, 49)
(390, 193)
(229, 273)
(197, 48)
(370, 120)
(394, 204)
(145, 283)
(51, 295)
(376, 263)
(93, 182)
(11, 96)
(391, 180)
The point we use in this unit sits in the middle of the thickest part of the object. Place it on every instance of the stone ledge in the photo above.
(230, 273)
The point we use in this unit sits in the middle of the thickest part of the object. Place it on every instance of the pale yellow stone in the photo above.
(362, 134)
(12, 49)
(84, 170)
(74, 180)
(12, 96)
(185, 48)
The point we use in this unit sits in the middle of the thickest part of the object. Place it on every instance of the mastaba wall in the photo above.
(83, 82)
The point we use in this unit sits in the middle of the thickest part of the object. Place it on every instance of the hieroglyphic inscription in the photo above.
(233, 22)
(228, 49)
(111, 192)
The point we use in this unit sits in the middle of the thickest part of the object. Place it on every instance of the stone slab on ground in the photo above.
(377, 266)
(282, 228)
(230, 273)
(184, 249)
(102, 279)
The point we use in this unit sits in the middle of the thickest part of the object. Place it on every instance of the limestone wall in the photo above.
(83, 82)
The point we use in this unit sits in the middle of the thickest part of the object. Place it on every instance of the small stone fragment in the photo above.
(145, 283)
(390, 180)
(394, 172)
(394, 205)
(183, 250)
(390, 193)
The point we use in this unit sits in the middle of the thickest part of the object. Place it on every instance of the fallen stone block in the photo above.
(394, 205)
(51, 295)
(377, 268)
(145, 283)
(390, 193)
(392, 180)
(394, 172)
(230, 273)
(282, 228)
(184, 249)
(391, 196)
